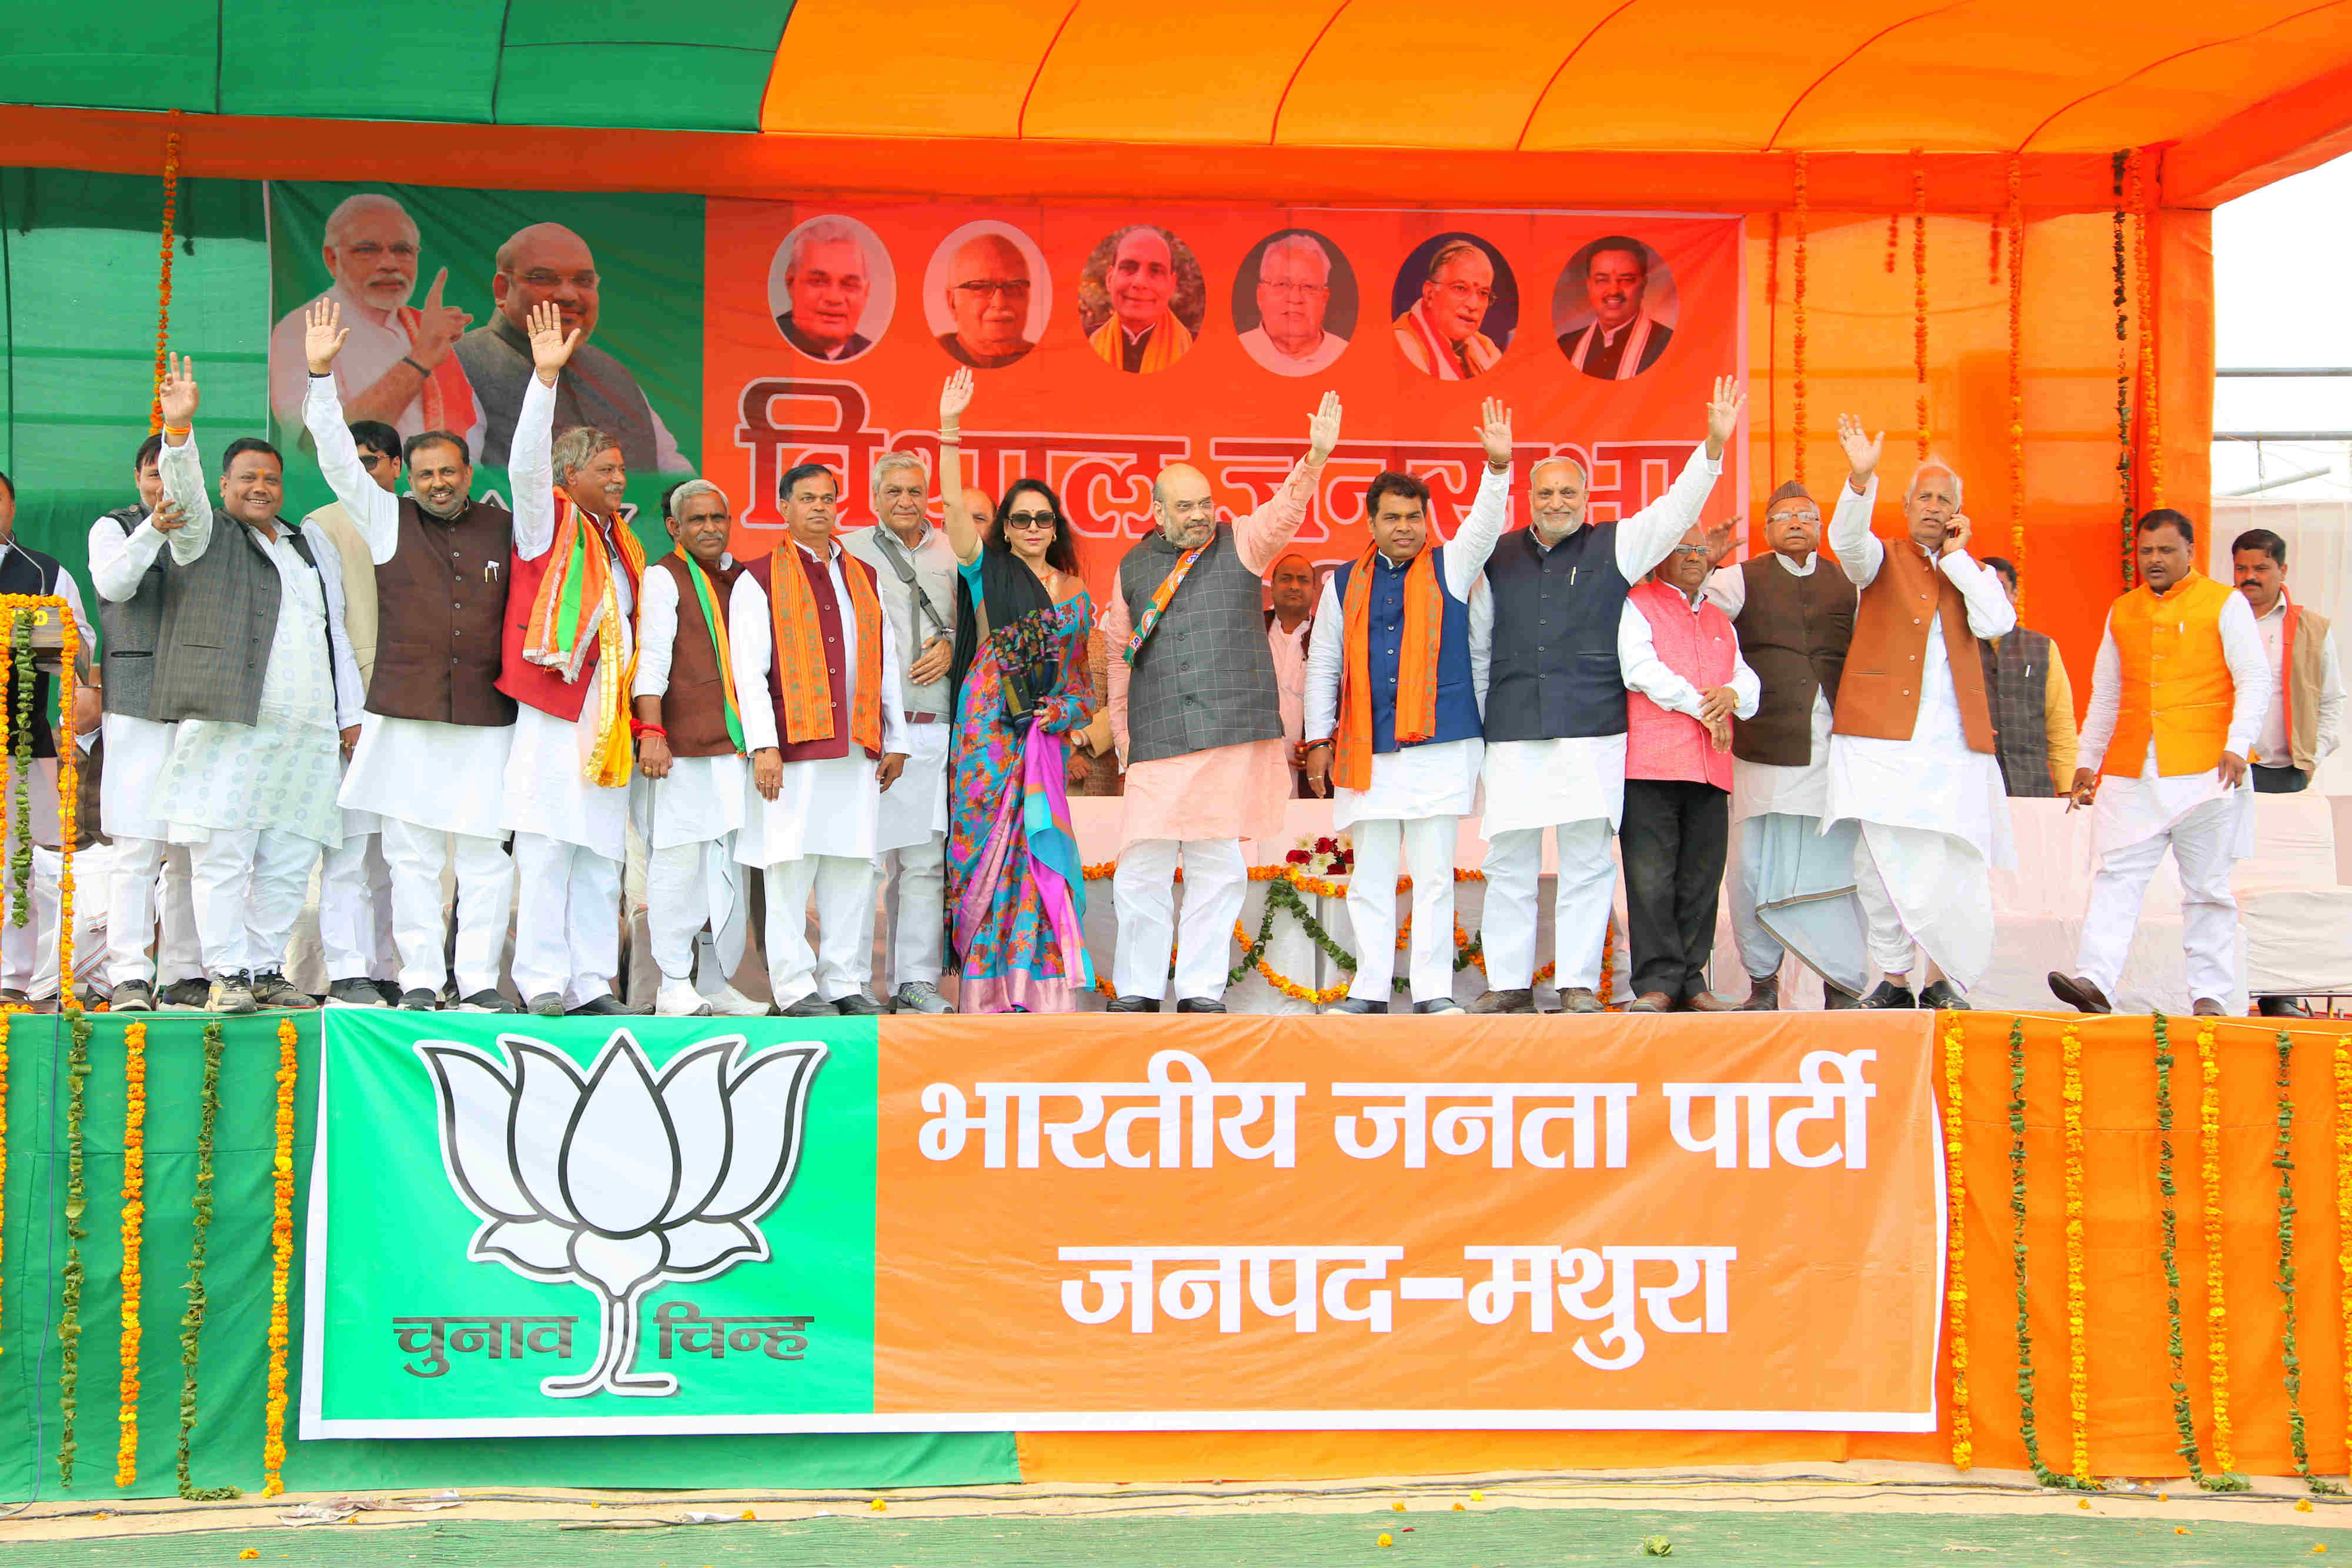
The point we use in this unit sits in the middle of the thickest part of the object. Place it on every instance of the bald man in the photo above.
(987, 296)
(549, 262)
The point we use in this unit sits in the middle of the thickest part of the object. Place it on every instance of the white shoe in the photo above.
(679, 999)
(730, 1003)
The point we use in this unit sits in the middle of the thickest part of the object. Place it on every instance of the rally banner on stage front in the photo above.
(527, 1226)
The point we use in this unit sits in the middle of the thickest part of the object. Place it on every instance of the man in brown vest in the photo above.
(690, 751)
(1911, 750)
(432, 754)
(1791, 883)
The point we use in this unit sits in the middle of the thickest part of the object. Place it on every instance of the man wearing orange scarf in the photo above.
(1396, 679)
(817, 684)
(2177, 699)
(577, 574)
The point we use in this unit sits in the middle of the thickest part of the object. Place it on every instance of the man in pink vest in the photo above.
(1685, 681)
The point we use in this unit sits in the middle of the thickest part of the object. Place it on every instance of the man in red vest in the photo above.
(2176, 698)
(1686, 682)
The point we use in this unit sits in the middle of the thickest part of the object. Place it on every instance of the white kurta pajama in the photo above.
(436, 791)
(256, 801)
(820, 833)
(1574, 785)
(1778, 848)
(1934, 813)
(689, 821)
(2207, 826)
(148, 879)
(570, 835)
(1417, 794)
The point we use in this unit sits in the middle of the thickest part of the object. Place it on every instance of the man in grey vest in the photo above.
(258, 674)
(2033, 700)
(914, 570)
(125, 546)
(1198, 720)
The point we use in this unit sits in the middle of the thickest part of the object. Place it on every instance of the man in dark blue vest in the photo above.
(1395, 680)
(1556, 711)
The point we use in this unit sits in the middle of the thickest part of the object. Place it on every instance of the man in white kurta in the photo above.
(30, 949)
(1416, 794)
(812, 825)
(688, 806)
(914, 570)
(1934, 812)
(1558, 593)
(2205, 815)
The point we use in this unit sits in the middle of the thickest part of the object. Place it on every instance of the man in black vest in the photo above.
(1556, 710)
(125, 567)
(432, 755)
(2033, 705)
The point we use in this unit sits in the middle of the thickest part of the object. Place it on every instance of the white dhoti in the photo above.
(1920, 885)
(1575, 786)
(438, 791)
(1794, 889)
(1934, 822)
(570, 838)
(1143, 892)
(2209, 830)
(1410, 811)
(910, 864)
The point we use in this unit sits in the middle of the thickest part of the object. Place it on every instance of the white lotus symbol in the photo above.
(620, 1180)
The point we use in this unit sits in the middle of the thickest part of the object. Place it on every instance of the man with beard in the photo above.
(1622, 339)
(433, 748)
(399, 367)
(988, 297)
(1293, 290)
(1440, 335)
(547, 264)
(1143, 334)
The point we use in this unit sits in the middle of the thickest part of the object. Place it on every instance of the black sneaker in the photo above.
(546, 1005)
(1945, 997)
(487, 1002)
(1133, 1005)
(273, 990)
(354, 994)
(133, 997)
(389, 990)
(857, 1005)
(233, 993)
(1357, 1005)
(1888, 994)
(194, 993)
(419, 1000)
(605, 1005)
(1201, 1005)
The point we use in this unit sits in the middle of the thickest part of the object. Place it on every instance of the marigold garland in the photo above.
(281, 1264)
(134, 1213)
(76, 1197)
(20, 739)
(68, 807)
(163, 280)
(1919, 292)
(2151, 489)
(1797, 314)
(2282, 1160)
(2183, 1419)
(2017, 369)
(2078, 1382)
(3, 1122)
(2343, 1216)
(1956, 1289)
(2217, 1311)
(2123, 374)
(192, 1320)
(2017, 1253)
(1992, 249)
(1894, 240)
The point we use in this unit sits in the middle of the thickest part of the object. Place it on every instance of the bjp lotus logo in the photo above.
(622, 1179)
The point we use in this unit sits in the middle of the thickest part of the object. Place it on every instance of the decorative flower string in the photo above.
(192, 1321)
(2282, 1160)
(69, 806)
(1992, 249)
(77, 1198)
(2183, 1419)
(1894, 239)
(2343, 1214)
(281, 1264)
(134, 1213)
(1796, 310)
(1956, 1289)
(1919, 292)
(2078, 1381)
(2042, 1472)
(2123, 372)
(2151, 489)
(3, 1124)
(20, 739)
(163, 280)
(2217, 1311)
(2017, 369)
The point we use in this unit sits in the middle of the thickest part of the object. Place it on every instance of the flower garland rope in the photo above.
(76, 1197)
(2017, 1253)
(2151, 489)
(2217, 1311)
(2343, 1215)
(20, 853)
(3, 1121)
(1919, 292)
(2183, 1418)
(163, 278)
(2017, 367)
(281, 1263)
(1797, 313)
(68, 807)
(2115, 165)
(2282, 1160)
(1956, 1290)
(2078, 1382)
(134, 1213)
(192, 1321)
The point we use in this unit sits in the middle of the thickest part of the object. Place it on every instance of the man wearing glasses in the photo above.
(548, 262)
(1440, 335)
(1293, 291)
(989, 298)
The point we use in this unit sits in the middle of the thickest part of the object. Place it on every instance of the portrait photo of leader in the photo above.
(1614, 309)
(1141, 298)
(986, 295)
(831, 288)
(1294, 302)
(549, 263)
(1457, 305)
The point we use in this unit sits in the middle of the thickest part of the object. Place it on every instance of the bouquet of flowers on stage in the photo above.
(1327, 858)
(620, 1180)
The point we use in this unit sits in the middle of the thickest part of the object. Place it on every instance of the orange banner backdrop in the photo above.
(1702, 1223)
(802, 361)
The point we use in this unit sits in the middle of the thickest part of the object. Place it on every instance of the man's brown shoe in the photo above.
(1650, 1002)
(2078, 993)
(1518, 1001)
(1708, 1002)
(1763, 995)
(1579, 999)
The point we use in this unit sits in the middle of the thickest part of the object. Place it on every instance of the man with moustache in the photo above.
(988, 299)
(1288, 625)
(1791, 884)
(399, 367)
(690, 748)
(1143, 334)
(547, 264)
(1440, 335)
(1622, 339)
(2303, 725)
(1293, 290)
(827, 278)
(434, 743)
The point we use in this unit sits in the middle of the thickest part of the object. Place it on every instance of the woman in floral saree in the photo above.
(1015, 894)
